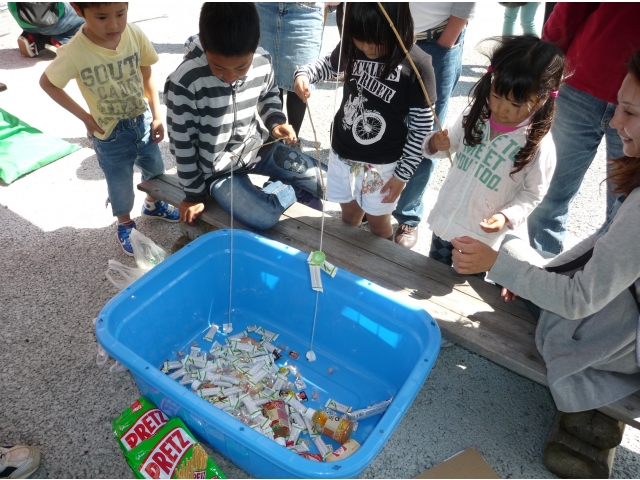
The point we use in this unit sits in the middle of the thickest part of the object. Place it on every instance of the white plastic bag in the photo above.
(145, 251)
(122, 276)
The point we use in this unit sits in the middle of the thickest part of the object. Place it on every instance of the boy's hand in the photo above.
(301, 87)
(395, 187)
(494, 224)
(157, 130)
(92, 125)
(190, 211)
(440, 142)
(285, 131)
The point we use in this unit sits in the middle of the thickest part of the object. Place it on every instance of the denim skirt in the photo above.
(292, 33)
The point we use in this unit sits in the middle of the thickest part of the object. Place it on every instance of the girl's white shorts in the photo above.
(349, 180)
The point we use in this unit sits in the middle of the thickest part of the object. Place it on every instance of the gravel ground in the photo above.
(57, 238)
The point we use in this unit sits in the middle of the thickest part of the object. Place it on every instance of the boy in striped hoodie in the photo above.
(211, 103)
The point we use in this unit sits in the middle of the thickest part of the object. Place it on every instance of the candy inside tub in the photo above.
(370, 344)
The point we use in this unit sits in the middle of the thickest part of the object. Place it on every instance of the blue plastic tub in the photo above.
(377, 345)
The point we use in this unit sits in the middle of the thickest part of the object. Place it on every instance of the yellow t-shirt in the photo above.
(109, 80)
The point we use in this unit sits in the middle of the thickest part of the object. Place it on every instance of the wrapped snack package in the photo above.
(172, 453)
(137, 423)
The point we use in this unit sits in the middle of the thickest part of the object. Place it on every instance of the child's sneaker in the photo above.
(161, 210)
(124, 230)
(18, 461)
(27, 45)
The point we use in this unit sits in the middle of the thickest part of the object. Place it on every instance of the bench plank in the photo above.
(468, 310)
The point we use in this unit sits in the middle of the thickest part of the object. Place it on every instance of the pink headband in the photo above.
(553, 94)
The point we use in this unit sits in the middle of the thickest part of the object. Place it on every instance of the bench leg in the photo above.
(594, 428)
(570, 457)
(190, 233)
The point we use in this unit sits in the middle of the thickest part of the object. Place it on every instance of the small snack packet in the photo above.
(172, 453)
(138, 422)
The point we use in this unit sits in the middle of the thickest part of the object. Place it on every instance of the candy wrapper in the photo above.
(139, 422)
(172, 453)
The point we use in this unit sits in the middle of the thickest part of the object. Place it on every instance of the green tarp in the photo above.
(24, 149)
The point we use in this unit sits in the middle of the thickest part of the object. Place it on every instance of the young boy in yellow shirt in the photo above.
(111, 62)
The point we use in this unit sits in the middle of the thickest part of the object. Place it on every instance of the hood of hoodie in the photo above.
(193, 51)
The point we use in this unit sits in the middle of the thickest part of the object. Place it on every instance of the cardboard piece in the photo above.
(466, 464)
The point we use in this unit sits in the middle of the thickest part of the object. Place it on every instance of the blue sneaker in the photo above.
(124, 230)
(161, 210)
(309, 200)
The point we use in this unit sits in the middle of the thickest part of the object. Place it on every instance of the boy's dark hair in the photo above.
(229, 29)
(365, 22)
(521, 66)
(82, 5)
(624, 173)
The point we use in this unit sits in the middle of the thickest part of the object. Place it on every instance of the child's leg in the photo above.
(528, 16)
(258, 209)
(510, 16)
(380, 225)
(116, 156)
(290, 166)
(150, 162)
(352, 213)
(441, 250)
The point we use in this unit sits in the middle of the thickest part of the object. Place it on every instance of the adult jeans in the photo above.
(527, 19)
(292, 33)
(447, 66)
(63, 31)
(261, 208)
(580, 123)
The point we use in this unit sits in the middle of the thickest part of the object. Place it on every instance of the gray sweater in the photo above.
(587, 329)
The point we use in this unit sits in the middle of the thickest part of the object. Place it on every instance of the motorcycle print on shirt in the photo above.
(367, 126)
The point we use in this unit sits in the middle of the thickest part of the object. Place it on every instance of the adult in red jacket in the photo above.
(597, 39)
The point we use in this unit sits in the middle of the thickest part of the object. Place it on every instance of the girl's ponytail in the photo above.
(540, 126)
(479, 111)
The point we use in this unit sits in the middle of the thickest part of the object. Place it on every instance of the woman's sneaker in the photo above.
(18, 461)
(161, 210)
(123, 233)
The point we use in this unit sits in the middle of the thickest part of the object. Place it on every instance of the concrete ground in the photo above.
(57, 237)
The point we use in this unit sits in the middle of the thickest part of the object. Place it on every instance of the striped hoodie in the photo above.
(210, 121)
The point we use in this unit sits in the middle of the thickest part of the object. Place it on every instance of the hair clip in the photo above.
(490, 68)
(554, 94)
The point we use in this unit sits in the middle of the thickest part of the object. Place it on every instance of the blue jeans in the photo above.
(129, 144)
(447, 66)
(65, 29)
(527, 19)
(580, 123)
(260, 209)
(292, 33)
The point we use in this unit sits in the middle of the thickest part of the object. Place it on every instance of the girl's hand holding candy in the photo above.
(494, 224)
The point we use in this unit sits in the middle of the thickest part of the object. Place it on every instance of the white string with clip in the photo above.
(311, 356)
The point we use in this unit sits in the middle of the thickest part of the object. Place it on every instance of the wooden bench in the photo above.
(469, 311)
